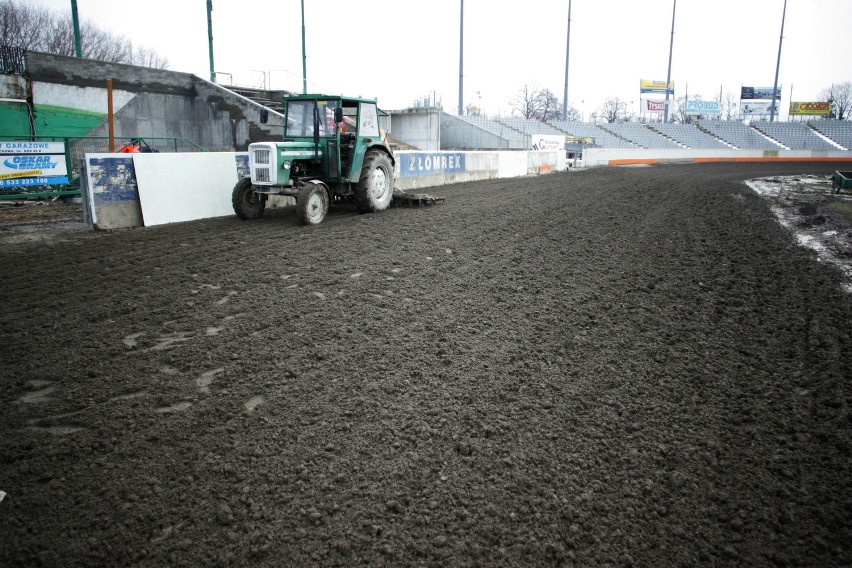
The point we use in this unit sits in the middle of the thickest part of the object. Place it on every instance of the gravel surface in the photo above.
(614, 367)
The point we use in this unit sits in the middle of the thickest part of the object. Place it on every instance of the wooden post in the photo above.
(110, 120)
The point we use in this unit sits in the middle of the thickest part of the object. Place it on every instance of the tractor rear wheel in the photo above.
(312, 204)
(247, 204)
(375, 187)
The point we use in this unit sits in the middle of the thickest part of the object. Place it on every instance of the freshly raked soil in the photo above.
(611, 367)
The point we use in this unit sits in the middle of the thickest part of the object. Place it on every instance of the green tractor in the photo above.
(333, 150)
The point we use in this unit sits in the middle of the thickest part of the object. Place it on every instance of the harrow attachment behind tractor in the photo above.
(402, 199)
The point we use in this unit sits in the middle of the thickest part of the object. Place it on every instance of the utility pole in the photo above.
(304, 55)
(210, 39)
(669, 76)
(567, 53)
(777, 67)
(78, 47)
(461, 60)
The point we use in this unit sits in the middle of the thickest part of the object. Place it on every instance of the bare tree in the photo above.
(539, 104)
(679, 113)
(573, 114)
(840, 96)
(729, 104)
(548, 107)
(147, 57)
(23, 25)
(525, 102)
(613, 109)
(40, 29)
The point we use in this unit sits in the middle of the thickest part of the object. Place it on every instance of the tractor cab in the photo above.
(338, 130)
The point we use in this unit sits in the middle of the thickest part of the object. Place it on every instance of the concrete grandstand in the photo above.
(515, 133)
(795, 135)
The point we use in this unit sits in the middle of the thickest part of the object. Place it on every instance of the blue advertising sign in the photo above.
(112, 179)
(24, 164)
(431, 163)
(647, 87)
(695, 106)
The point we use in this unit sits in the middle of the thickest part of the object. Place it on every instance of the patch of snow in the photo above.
(785, 190)
(811, 242)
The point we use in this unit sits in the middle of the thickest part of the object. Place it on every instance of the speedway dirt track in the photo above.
(609, 367)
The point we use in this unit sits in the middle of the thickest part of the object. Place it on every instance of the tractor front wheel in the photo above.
(247, 204)
(375, 187)
(312, 204)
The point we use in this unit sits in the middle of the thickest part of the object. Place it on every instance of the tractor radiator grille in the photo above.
(261, 165)
(261, 156)
(261, 175)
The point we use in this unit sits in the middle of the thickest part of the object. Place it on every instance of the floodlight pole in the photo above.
(461, 60)
(669, 76)
(567, 53)
(777, 67)
(304, 55)
(78, 47)
(210, 39)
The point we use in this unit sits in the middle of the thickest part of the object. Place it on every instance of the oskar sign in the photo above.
(810, 109)
(24, 164)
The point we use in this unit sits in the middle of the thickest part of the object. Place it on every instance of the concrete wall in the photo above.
(13, 87)
(626, 156)
(415, 170)
(456, 133)
(70, 98)
(418, 127)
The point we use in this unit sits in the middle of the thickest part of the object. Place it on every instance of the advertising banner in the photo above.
(757, 108)
(656, 87)
(24, 164)
(759, 93)
(695, 106)
(652, 106)
(810, 109)
(431, 163)
(548, 142)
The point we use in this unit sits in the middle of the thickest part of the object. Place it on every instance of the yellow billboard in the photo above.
(810, 109)
(646, 86)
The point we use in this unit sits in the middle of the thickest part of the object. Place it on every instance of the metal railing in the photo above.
(75, 151)
(12, 60)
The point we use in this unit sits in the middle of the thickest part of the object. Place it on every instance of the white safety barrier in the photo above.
(132, 190)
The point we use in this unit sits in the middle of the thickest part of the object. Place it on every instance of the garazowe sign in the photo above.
(24, 164)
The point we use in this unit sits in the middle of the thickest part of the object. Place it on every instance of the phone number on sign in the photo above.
(21, 182)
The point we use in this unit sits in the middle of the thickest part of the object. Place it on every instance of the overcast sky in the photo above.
(399, 51)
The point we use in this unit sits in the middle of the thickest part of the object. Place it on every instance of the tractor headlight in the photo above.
(286, 165)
